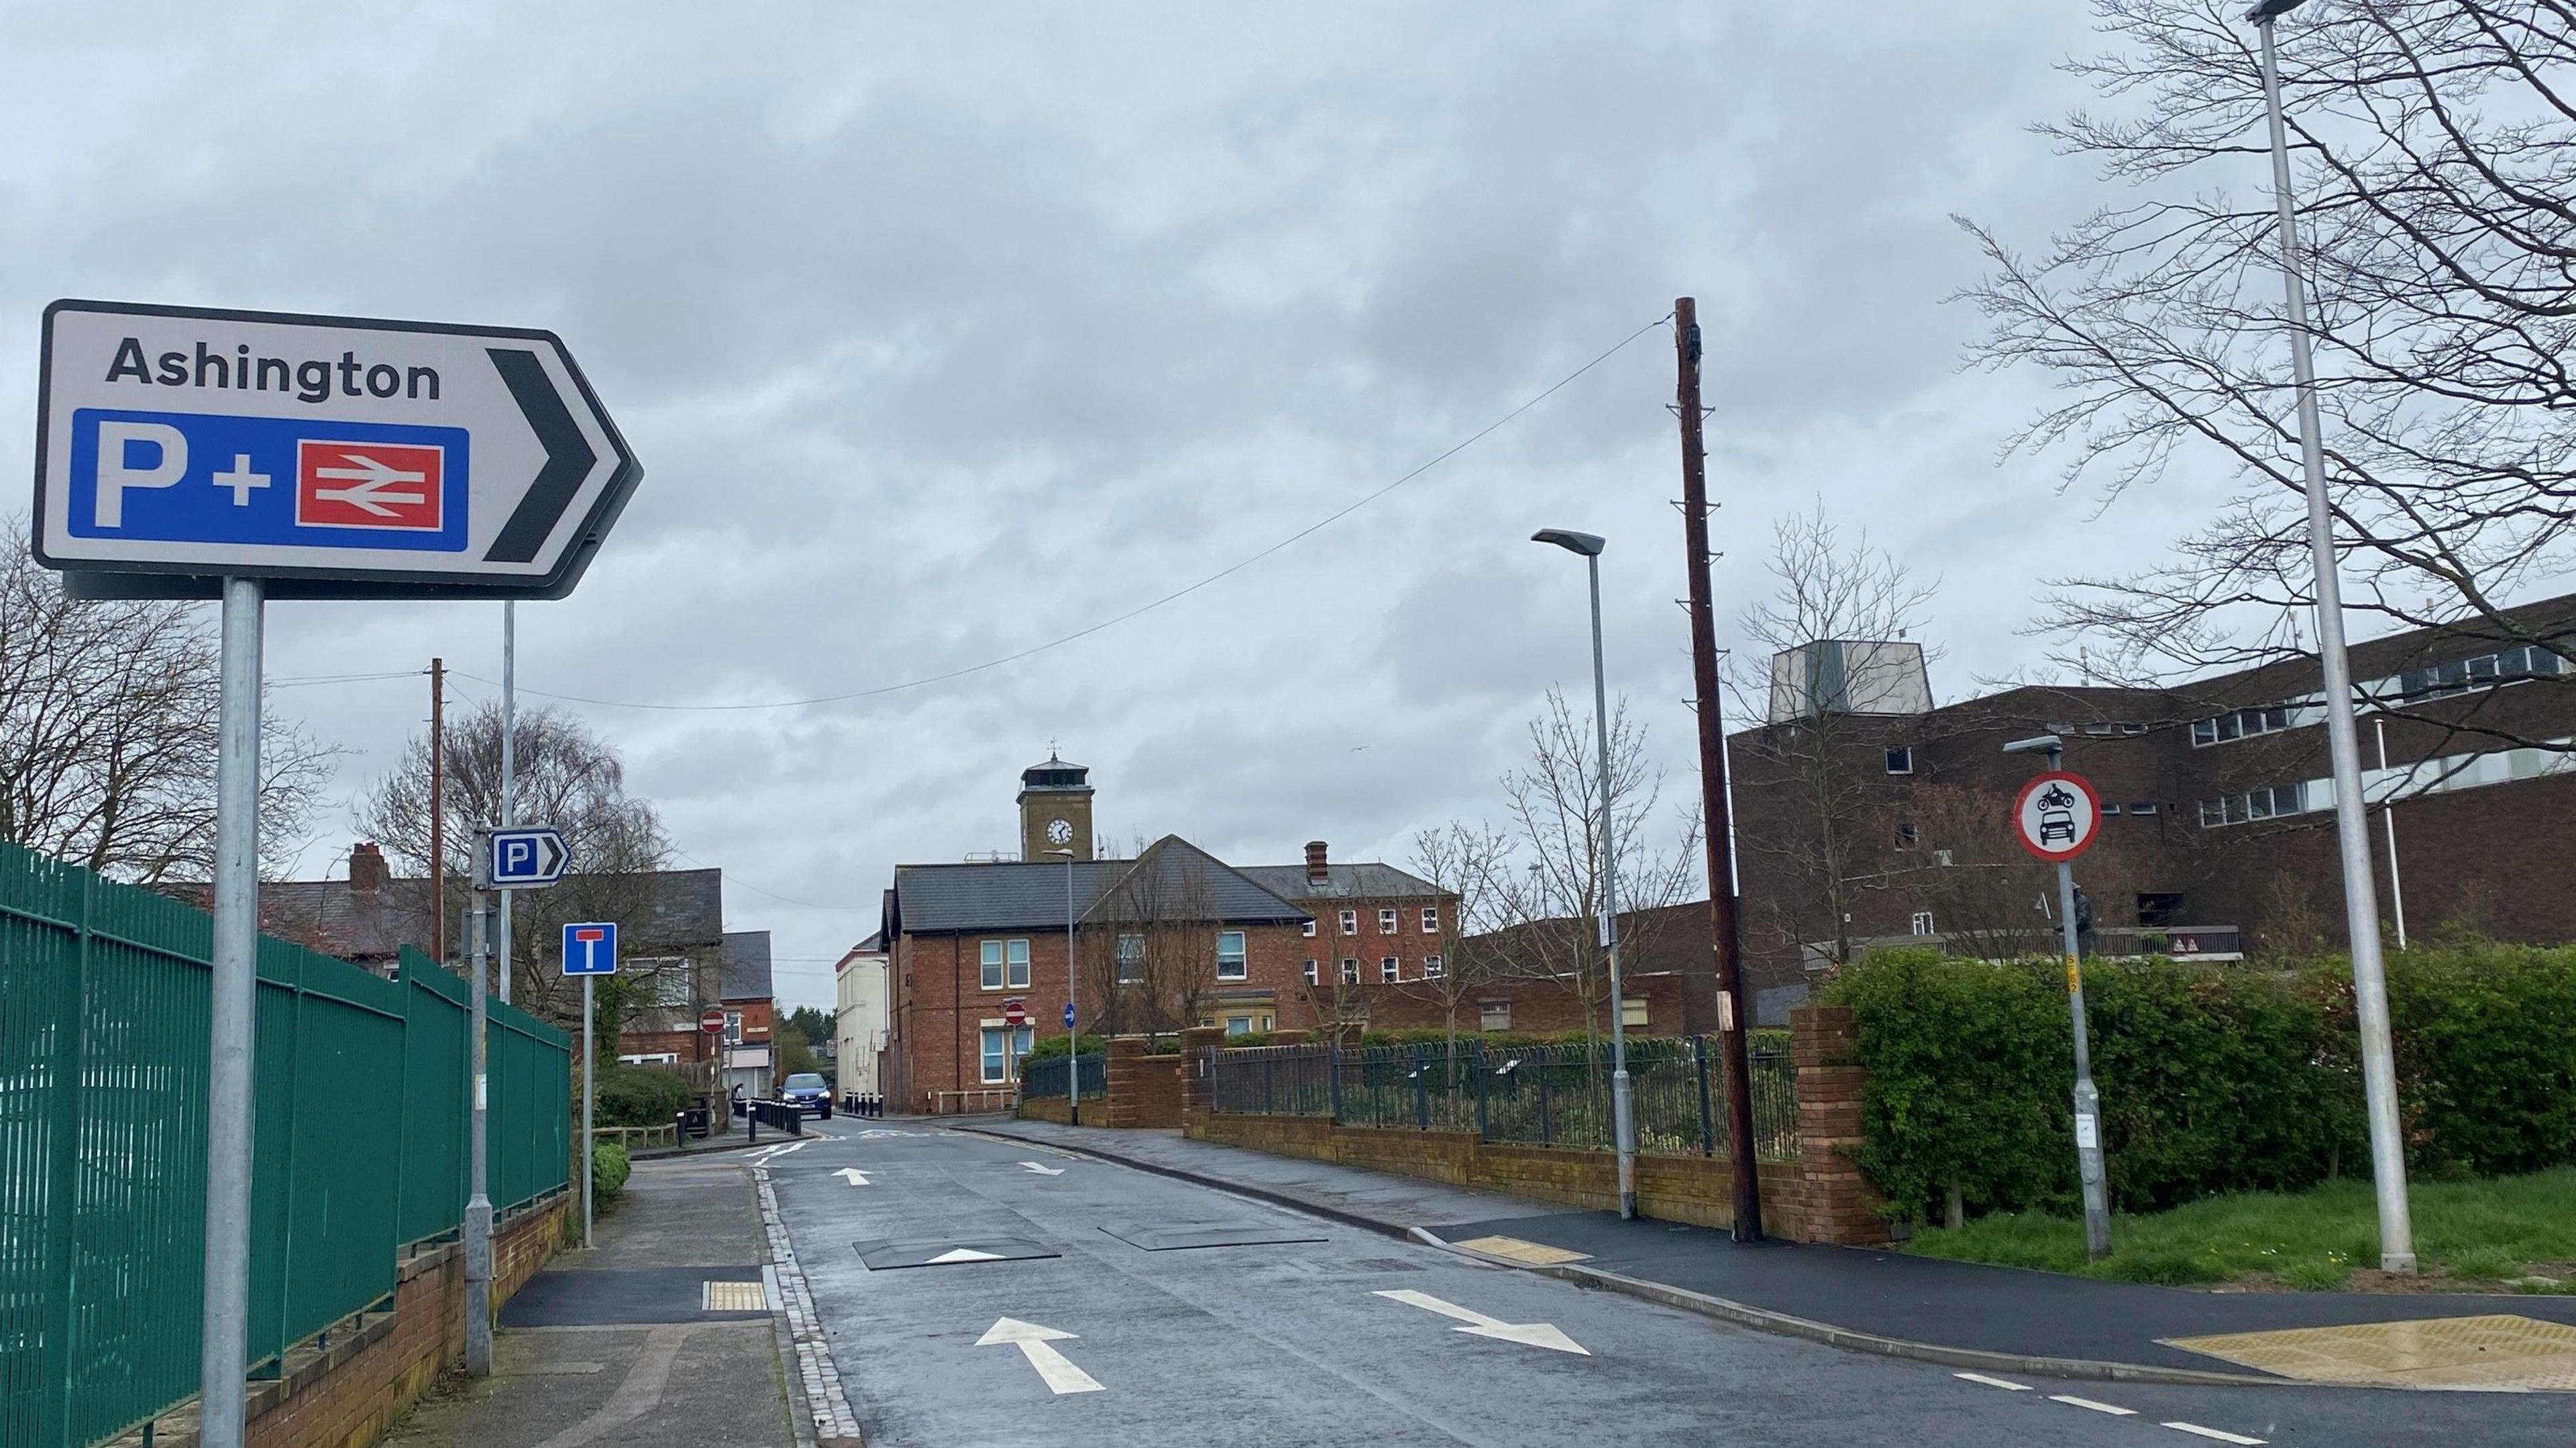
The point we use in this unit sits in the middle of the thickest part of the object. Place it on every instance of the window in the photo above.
(1350, 970)
(1386, 921)
(1432, 969)
(2159, 908)
(1632, 1011)
(733, 1028)
(1494, 1015)
(1131, 958)
(1350, 922)
(1900, 760)
(1389, 969)
(2109, 808)
(2269, 802)
(1238, 1025)
(1003, 1050)
(1908, 835)
(1229, 955)
(1266, 1024)
(671, 981)
(1006, 965)
(1310, 927)
(1430, 919)
(1922, 923)
(1314, 974)
(2142, 807)
(2244, 723)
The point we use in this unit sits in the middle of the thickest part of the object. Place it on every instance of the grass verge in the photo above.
(2475, 1234)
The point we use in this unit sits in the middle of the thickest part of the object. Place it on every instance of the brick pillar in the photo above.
(1291, 1038)
(1841, 1205)
(1126, 1070)
(1196, 1043)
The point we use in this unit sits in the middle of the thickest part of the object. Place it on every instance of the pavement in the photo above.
(969, 1288)
(627, 1343)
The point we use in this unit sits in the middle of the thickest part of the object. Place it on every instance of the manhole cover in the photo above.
(1177, 1236)
(886, 1253)
(2503, 1351)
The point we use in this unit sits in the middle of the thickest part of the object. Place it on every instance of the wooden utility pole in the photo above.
(1734, 1005)
(438, 810)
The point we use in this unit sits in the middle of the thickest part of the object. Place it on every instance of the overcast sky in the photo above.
(945, 331)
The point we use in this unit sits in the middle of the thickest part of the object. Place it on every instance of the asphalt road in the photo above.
(1297, 1340)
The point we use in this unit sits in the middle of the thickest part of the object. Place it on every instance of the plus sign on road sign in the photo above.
(590, 948)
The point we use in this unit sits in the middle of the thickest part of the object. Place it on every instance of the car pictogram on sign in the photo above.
(368, 485)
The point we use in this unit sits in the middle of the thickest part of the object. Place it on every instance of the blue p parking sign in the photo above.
(590, 948)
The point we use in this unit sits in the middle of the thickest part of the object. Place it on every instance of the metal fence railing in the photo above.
(363, 1103)
(1043, 1079)
(1538, 1095)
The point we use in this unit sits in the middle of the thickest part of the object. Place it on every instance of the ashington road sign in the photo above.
(333, 456)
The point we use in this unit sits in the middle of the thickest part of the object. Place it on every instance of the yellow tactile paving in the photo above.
(2502, 1351)
(736, 1297)
(1537, 1254)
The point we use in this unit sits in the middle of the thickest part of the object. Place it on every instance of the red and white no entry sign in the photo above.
(712, 1021)
(2058, 816)
(1015, 1011)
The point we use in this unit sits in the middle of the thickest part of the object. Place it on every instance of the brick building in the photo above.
(1864, 814)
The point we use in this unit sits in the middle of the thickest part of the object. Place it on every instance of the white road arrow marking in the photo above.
(853, 1176)
(1043, 1170)
(968, 1254)
(1037, 1344)
(369, 479)
(1535, 1334)
(2223, 1437)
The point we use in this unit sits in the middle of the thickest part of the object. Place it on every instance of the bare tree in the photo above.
(1472, 865)
(108, 729)
(1148, 941)
(564, 776)
(1554, 898)
(1832, 649)
(2435, 154)
(1985, 895)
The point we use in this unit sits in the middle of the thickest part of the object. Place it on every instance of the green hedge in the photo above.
(608, 1170)
(2213, 1077)
(640, 1095)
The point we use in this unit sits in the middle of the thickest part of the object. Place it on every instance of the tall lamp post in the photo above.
(1072, 1013)
(1623, 1123)
(2352, 826)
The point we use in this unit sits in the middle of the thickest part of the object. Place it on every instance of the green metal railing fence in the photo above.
(1537, 1095)
(362, 1112)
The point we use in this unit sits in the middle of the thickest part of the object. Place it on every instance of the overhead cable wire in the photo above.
(1113, 621)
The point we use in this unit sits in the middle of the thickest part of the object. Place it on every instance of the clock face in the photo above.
(1059, 832)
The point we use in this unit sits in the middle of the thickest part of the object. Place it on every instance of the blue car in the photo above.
(807, 1091)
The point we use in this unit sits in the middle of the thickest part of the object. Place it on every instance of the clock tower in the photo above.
(1055, 810)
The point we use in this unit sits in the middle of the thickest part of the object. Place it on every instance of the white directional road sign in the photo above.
(590, 948)
(853, 1176)
(526, 857)
(1037, 1344)
(1535, 1334)
(1043, 1170)
(335, 457)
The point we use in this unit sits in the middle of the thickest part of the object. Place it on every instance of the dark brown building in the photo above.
(1864, 814)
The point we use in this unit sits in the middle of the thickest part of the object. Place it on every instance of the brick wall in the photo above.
(1144, 1090)
(344, 1391)
(1837, 1203)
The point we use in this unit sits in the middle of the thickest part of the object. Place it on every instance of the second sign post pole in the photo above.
(2057, 818)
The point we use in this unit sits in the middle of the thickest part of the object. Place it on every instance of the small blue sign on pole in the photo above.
(1068, 1015)
(526, 857)
(590, 948)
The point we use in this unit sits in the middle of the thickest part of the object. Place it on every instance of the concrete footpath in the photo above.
(1965, 1314)
(664, 1333)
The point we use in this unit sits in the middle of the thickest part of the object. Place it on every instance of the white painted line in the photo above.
(1037, 1344)
(1533, 1334)
(2213, 1433)
(853, 1176)
(2114, 1409)
(1043, 1170)
(1994, 1382)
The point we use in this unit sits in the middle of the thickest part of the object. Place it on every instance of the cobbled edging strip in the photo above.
(816, 1373)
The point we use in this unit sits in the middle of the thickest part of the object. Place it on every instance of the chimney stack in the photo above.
(1317, 872)
(368, 872)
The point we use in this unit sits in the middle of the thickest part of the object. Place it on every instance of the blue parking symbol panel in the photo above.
(590, 948)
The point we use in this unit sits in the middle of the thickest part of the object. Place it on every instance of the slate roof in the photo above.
(1341, 882)
(942, 899)
(746, 965)
(684, 909)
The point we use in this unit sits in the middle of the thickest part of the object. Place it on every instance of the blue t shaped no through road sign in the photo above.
(590, 948)
(526, 857)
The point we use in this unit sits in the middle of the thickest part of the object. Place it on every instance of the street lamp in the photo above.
(2088, 1100)
(2352, 827)
(1623, 1125)
(1073, 1022)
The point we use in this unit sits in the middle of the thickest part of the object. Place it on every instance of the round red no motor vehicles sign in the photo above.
(2058, 816)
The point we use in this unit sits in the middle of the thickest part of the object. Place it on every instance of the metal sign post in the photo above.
(2057, 818)
(589, 951)
(232, 1023)
(190, 452)
(478, 1201)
